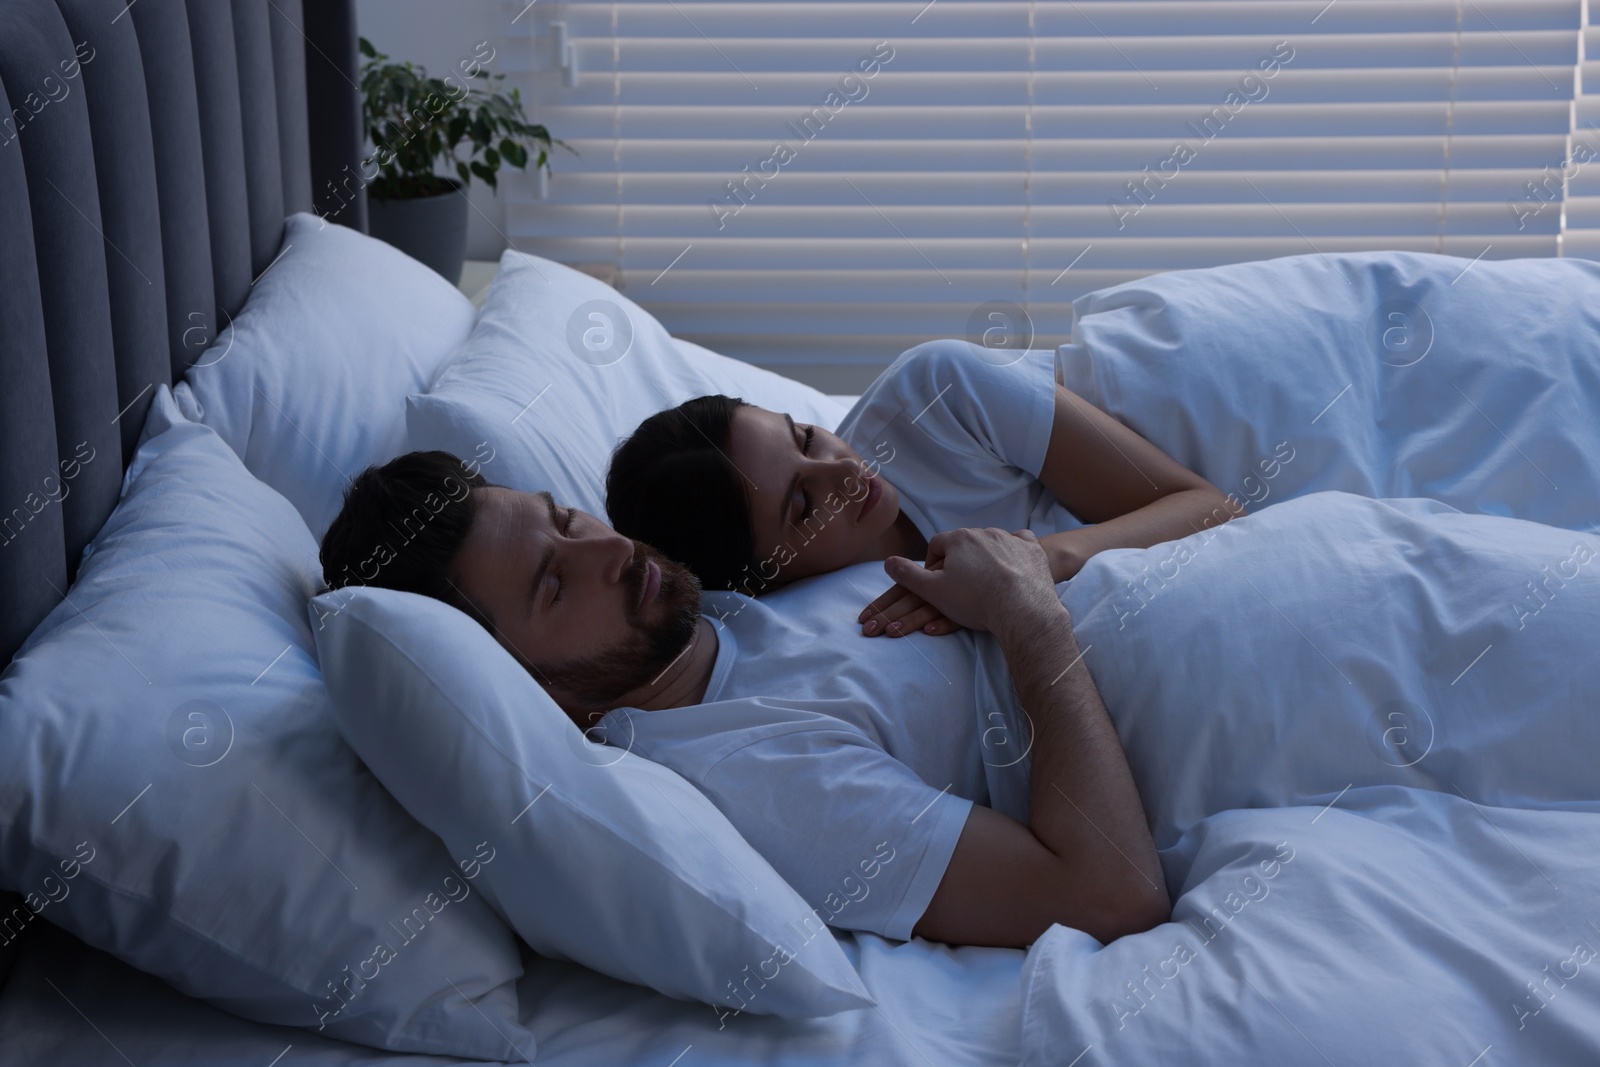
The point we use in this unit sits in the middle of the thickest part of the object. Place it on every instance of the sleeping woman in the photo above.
(950, 435)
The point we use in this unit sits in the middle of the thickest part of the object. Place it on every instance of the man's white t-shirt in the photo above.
(851, 763)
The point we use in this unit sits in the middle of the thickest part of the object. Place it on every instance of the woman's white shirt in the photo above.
(961, 431)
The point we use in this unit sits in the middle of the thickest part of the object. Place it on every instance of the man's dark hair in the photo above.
(401, 525)
(672, 485)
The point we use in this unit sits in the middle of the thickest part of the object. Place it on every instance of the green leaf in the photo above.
(416, 122)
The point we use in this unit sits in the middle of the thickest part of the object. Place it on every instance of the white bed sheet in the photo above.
(66, 1003)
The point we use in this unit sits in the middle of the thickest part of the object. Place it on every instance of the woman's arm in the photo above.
(1134, 493)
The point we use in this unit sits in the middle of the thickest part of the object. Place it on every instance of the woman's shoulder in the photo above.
(952, 386)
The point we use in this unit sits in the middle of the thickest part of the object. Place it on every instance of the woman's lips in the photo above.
(870, 501)
(652, 582)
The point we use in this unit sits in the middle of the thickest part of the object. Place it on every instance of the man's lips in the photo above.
(651, 584)
(870, 501)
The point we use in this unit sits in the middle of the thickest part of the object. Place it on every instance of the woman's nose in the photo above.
(845, 474)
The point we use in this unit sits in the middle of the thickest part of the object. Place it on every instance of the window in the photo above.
(817, 186)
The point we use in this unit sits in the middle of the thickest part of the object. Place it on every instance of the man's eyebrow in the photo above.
(783, 503)
(544, 559)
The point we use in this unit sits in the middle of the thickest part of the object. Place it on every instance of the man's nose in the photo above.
(608, 554)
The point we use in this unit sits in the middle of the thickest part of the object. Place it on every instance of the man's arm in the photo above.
(1087, 861)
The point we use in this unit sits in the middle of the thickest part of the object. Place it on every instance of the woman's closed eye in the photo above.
(805, 498)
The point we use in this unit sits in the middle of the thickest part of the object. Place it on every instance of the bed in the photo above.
(185, 340)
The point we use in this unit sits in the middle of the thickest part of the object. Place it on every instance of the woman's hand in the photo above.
(982, 579)
(899, 612)
(1065, 553)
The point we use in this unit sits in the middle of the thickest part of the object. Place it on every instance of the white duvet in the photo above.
(1335, 641)
(1400, 700)
(1379, 373)
(1400, 926)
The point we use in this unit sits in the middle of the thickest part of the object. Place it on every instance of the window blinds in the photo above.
(1573, 184)
(816, 186)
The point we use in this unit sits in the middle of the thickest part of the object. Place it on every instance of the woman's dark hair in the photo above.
(672, 486)
(401, 525)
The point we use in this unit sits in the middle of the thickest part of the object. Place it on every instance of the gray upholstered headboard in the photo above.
(148, 155)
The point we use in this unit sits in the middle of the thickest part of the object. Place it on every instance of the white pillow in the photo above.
(308, 384)
(173, 789)
(1387, 374)
(559, 368)
(600, 856)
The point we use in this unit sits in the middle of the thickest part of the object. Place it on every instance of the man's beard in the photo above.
(650, 646)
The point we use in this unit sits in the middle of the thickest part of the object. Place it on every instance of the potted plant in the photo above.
(414, 122)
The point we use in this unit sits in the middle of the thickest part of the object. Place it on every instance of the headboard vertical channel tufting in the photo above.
(149, 152)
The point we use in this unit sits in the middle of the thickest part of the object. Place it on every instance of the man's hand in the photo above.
(981, 579)
(1085, 859)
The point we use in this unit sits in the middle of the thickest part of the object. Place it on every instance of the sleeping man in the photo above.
(968, 788)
